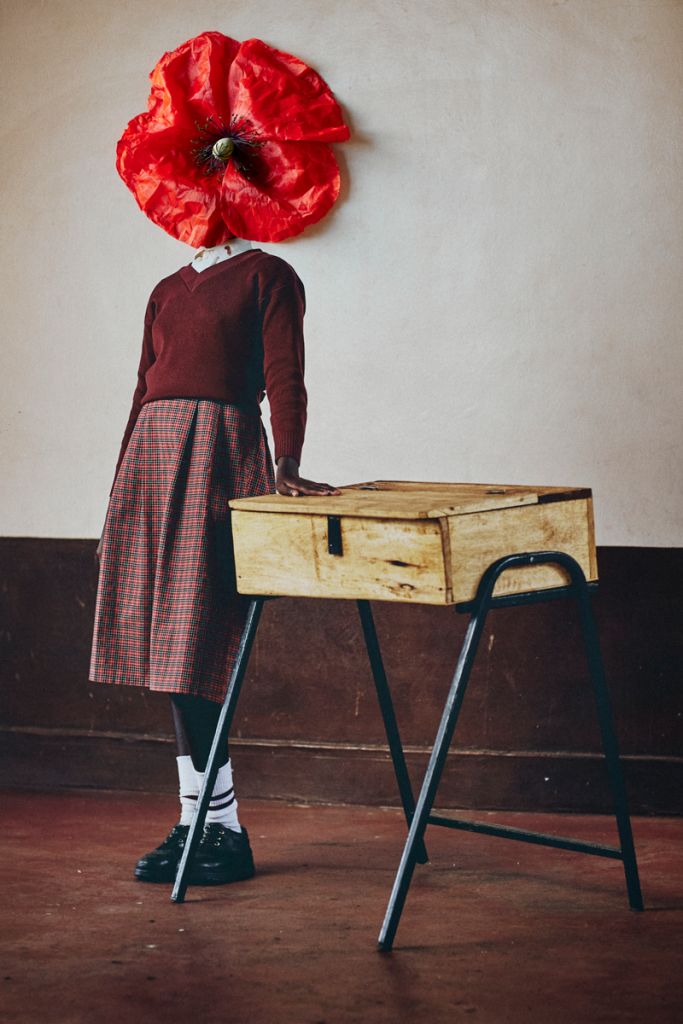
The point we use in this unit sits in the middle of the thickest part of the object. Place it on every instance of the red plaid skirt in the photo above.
(167, 614)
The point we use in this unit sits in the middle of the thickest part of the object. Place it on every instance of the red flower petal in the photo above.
(167, 184)
(295, 184)
(288, 105)
(191, 82)
(283, 97)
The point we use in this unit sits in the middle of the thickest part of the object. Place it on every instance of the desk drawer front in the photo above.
(380, 559)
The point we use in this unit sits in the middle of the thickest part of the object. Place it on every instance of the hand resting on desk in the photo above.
(288, 481)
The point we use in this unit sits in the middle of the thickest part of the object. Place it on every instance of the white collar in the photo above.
(204, 258)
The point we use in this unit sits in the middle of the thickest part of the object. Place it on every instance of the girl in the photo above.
(234, 143)
(219, 333)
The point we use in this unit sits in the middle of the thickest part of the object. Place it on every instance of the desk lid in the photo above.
(410, 499)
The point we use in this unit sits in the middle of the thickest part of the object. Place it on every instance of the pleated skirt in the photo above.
(167, 615)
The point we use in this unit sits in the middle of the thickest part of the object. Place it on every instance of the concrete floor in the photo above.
(494, 931)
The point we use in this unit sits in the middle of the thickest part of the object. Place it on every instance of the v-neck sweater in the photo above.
(233, 333)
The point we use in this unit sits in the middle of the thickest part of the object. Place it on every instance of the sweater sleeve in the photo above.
(283, 363)
(146, 359)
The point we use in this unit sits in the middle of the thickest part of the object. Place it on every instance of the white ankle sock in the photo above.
(189, 788)
(223, 805)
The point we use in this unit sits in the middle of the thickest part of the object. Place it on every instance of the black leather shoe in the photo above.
(223, 855)
(161, 864)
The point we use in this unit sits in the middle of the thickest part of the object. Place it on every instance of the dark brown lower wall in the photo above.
(308, 727)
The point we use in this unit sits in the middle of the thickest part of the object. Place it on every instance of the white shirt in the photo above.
(204, 258)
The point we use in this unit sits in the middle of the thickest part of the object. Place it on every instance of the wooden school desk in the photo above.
(476, 547)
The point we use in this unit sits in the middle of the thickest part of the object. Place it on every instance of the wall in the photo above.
(496, 297)
(308, 726)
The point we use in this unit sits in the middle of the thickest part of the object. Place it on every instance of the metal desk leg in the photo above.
(389, 716)
(432, 778)
(610, 747)
(483, 601)
(219, 739)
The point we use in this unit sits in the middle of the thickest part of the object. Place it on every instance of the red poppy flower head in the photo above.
(234, 143)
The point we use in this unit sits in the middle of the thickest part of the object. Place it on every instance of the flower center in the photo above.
(223, 148)
(219, 144)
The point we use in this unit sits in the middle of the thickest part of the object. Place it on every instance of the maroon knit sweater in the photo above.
(231, 332)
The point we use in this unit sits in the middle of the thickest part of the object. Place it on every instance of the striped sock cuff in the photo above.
(223, 804)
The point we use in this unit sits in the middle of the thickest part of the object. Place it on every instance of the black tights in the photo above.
(195, 720)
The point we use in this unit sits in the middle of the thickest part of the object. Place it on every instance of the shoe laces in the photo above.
(177, 833)
(214, 834)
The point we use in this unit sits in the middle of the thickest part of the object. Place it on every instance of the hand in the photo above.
(288, 481)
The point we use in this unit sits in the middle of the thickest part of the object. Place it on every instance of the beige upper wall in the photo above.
(496, 298)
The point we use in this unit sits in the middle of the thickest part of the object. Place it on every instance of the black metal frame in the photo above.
(482, 604)
(228, 711)
(418, 814)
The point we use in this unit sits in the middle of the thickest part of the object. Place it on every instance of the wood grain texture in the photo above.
(383, 559)
(481, 538)
(404, 499)
(427, 546)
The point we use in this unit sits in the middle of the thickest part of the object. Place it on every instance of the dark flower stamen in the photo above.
(217, 144)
